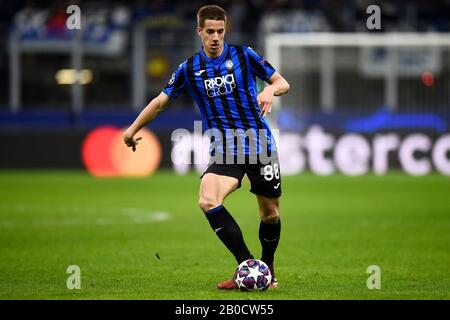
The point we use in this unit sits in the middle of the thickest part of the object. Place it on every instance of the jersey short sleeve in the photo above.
(259, 66)
(176, 84)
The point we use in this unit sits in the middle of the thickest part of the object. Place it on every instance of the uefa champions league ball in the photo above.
(253, 274)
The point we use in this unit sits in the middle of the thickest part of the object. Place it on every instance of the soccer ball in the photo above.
(253, 274)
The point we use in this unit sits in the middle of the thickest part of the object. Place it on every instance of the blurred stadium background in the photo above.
(126, 52)
(361, 102)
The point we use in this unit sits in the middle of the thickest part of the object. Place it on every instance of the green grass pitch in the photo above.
(115, 229)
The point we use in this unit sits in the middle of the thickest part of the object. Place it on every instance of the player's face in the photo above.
(212, 35)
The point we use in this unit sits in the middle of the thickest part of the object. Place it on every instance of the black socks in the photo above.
(228, 232)
(269, 235)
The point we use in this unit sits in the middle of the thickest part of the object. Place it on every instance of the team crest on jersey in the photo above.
(229, 64)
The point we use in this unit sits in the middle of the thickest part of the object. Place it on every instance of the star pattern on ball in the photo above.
(255, 273)
(239, 280)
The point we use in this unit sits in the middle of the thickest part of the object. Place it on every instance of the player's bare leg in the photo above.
(214, 189)
(269, 232)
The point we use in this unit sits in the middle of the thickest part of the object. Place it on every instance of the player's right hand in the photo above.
(265, 101)
(130, 141)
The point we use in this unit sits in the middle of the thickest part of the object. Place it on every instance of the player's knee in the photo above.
(207, 203)
(270, 215)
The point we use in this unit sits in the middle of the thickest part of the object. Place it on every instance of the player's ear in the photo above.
(199, 30)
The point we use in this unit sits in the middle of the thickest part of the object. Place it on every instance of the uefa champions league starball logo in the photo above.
(172, 79)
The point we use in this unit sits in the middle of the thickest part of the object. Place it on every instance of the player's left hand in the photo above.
(265, 99)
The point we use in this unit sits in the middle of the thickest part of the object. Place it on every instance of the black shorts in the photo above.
(265, 178)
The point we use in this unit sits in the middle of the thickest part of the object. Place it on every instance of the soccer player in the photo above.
(222, 80)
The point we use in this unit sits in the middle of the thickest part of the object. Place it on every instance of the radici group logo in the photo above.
(219, 85)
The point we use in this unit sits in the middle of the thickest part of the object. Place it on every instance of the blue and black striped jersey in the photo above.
(225, 90)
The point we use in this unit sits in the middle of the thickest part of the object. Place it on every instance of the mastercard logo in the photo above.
(104, 153)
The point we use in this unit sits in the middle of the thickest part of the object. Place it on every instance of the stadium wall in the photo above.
(52, 150)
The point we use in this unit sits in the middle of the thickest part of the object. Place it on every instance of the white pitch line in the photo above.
(140, 216)
(119, 215)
